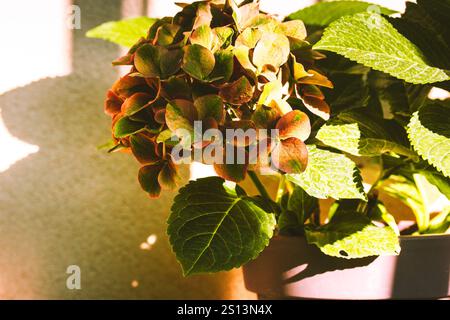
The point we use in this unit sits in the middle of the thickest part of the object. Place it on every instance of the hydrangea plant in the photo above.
(352, 90)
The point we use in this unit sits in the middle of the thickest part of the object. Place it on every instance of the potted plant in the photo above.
(225, 84)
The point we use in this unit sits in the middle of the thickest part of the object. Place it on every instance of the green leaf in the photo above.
(362, 135)
(421, 23)
(323, 13)
(212, 228)
(125, 32)
(329, 174)
(352, 235)
(371, 40)
(380, 213)
(297, 210)
(437, 179)
(407, 192)
(300, 201)
(440, 223)
(429, 133)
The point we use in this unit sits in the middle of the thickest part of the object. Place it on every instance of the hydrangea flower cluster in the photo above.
(227, 66)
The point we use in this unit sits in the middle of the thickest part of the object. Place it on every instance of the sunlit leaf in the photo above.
(429, 133)
(329, 174)
(212, 228)
(371, 40)
(323, 13)
(125, 32)
(362, 135)
(353, 235)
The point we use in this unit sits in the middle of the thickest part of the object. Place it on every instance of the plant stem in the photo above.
(262, 191)
(281, 189)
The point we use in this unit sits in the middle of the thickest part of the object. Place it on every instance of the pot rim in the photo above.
(403, 237)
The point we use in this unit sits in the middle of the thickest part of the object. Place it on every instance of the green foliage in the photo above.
(371, 40)
(212, 228)
(329, 174)
(231, 66)
(429, 132)
(363, 135)
(125, 32)
(425, 24)
(352, 235)
(407, 191)
(296, 210)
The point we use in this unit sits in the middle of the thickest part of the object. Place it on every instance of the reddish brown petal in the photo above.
(144, 148)
(136, 103)
(175, 88)
(260, 158)
(317, 106)
(290, 156)
(266, 117)
(124, 61)
(113, 104)
(312, 91)
(168, 176)
(294, 124)
(148, 178)
(230, 169)
(242, 133)
(317, 79)
(237, 92)
(208, 123)
(160, 116)
(127, 86)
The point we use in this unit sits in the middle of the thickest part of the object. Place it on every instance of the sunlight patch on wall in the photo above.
(148, 244)
(36, 41)
(12, 149)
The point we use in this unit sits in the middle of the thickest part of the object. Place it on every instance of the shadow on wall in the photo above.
(70, 204)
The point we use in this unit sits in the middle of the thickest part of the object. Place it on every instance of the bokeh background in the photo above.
(63, 202)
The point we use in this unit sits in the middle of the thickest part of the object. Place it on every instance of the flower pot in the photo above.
(292, 268)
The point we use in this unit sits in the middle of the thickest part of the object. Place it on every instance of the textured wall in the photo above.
(71, 204)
